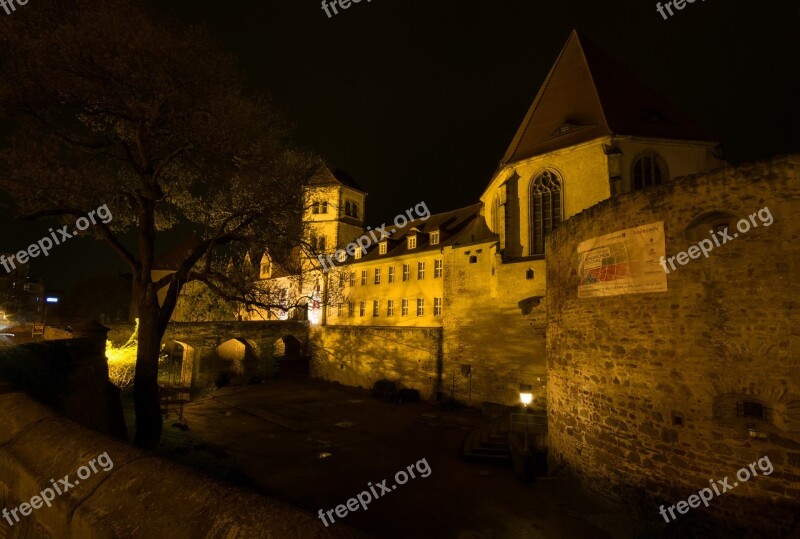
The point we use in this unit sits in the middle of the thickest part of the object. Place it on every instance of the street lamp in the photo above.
(526, 396)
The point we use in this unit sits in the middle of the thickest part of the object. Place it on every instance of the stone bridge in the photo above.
(202, 353)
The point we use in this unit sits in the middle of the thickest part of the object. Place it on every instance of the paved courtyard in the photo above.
(315, 445)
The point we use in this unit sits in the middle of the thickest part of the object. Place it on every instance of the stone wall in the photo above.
(646, 391)
(69, 375)
(139, 496)
(359, 356)
(495, 323)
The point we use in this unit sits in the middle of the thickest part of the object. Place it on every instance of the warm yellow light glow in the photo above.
(122, 360)
(526, 398)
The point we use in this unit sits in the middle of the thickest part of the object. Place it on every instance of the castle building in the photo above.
(478, 273)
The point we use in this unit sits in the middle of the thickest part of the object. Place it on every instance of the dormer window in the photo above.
(315, 208)
(359, 252)
(435, 237)
(382, 248)
(324, 208)
(412, 242)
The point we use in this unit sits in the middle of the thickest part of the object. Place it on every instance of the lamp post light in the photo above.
(526, 396)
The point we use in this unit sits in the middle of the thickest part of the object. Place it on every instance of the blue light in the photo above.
(51, 299)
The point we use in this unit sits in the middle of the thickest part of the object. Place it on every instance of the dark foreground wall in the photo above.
(141, 496)
(658, 392)
(69, 375)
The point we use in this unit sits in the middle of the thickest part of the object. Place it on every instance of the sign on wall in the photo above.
(625, 262)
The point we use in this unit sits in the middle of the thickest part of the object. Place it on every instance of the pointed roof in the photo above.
(331, 176)
(588, 95)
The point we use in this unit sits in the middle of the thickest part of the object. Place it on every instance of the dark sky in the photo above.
(419, 99)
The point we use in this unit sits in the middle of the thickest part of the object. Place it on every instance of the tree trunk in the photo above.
(145, 387)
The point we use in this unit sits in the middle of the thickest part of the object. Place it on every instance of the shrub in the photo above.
(384, 389)
(408, 395)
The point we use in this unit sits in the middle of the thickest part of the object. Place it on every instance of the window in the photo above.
(391, 274)
(363, 277)
(473, 259)
(376, 307)
(352, 278)
(529, 274)
(359, 252)
(339, 309)
(437, 306)
(437, 268)
(404, 308)
(342, 255)
(362, 308)
(354, 210)
(412, 242)
(264, 269)
(315, 207)
(324, 208)
(435, 237)
(347, 208)
(420, 270)
(351, 307)
(496, 215)
(330, 311)
(545, 208)
(406, 272)
(420, 307)
(377, 276)
(751, 409)
(390, 308)
(382, 248)
(321, 244)
(646, 172)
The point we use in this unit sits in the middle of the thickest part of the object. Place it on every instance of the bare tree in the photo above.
(110, 105)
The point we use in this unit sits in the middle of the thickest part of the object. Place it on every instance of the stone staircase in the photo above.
(489, 443)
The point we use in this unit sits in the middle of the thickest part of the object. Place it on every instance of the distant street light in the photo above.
(526, 396)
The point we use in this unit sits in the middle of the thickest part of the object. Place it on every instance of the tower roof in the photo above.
(588, 95)
(332, 176)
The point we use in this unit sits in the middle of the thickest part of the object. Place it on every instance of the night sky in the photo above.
(418, 100)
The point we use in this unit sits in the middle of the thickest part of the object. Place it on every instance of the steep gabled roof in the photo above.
(333, 176)
(588, 95)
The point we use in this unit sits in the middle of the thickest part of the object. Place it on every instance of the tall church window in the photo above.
(496, 215)
(647, 172)
(545, 208)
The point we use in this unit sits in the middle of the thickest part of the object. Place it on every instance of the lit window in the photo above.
(420, 270)
(352, 278)
(437, 306)
(390, 308)
(376, 306)
(382, 248)
(391, 274)
(359, 252)
(412, 242)
(545, 209)
(406, 272)
(363, 277)
(435, 237)
(437, 269)
(404, 308)
(646, 172)
(377, 276)
(362, 308)
(420, 307)
(342, 255)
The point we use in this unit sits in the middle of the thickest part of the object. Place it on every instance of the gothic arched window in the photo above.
(647, 172)
(545, 208)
